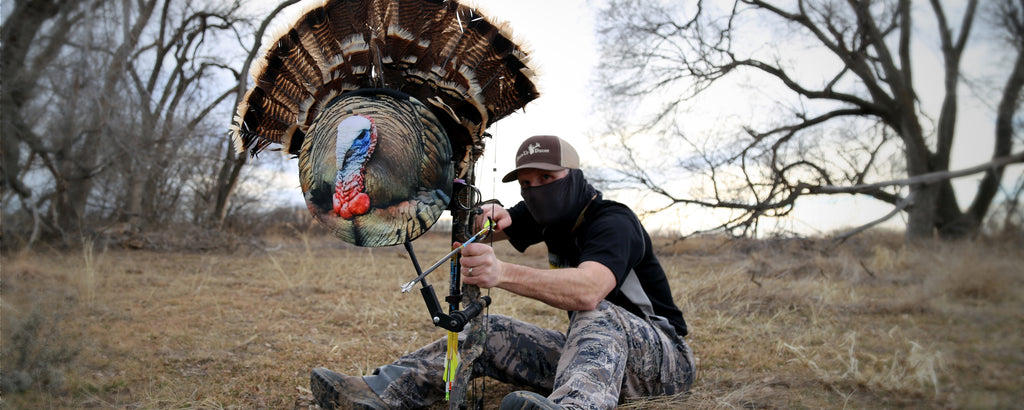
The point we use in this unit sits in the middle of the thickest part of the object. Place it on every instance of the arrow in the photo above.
(487, 228)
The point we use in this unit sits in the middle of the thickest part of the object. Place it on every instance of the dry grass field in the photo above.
(227, 322)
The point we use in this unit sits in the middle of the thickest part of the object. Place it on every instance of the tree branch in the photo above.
(902, 205)
(929, 178)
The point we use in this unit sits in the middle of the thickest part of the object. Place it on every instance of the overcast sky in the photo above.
(561, 37)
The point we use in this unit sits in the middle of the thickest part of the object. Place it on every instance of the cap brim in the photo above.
(512, 176)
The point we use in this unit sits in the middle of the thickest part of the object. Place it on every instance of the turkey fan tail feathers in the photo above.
(463, 66)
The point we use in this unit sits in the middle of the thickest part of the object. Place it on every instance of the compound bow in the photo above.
(464, 208)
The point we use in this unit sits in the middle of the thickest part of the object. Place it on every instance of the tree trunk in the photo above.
(923, 213)
(227, 179)
(136, 187)
(72, 194)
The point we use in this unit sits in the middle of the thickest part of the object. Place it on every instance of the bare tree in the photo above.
(107, 105)
(173, 72)
(31, 39)
(856, 118)
(231, 166)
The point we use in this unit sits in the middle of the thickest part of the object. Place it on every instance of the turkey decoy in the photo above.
(385, 103)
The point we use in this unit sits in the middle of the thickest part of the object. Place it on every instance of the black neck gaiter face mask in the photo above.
(559, 202)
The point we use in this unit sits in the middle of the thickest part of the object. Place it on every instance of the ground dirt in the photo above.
(869, 323)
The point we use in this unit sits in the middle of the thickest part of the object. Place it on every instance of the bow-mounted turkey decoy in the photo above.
(385, 103)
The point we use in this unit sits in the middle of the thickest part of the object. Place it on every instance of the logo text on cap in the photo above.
(532, 149)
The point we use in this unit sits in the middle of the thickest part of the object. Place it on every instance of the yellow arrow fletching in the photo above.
(451, 363)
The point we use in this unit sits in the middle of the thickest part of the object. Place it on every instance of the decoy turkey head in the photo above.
(357, 138)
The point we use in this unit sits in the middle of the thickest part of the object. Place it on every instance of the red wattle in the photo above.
(350, 203)
(341, 206)
(360, 204)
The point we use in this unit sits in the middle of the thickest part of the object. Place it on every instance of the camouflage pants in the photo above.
(607, 354)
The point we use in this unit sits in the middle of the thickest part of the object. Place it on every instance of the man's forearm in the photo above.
(571, 289)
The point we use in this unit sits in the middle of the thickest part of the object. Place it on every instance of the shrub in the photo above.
(37, 348)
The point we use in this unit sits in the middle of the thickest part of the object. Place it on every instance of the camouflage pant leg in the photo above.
(515, 352)
(608, 353)
(611, 353)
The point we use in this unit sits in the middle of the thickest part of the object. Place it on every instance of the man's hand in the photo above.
(501, 220)
(480, 266)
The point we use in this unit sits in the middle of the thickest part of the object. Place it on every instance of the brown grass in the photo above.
(775, 324)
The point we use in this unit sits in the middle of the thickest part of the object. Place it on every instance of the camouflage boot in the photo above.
(337, 391)
(526, 400)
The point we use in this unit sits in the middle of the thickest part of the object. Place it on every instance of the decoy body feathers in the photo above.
(383, 102)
